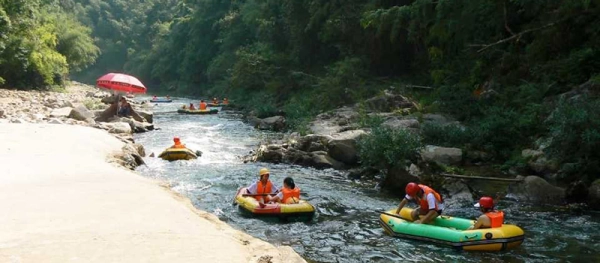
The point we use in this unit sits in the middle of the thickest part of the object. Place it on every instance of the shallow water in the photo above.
(345, 227)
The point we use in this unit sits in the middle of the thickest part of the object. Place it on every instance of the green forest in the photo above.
(516, 73)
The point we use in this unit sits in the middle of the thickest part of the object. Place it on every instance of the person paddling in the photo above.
(192, 106)
(490, 218)
(202, 105)
(177, 143)
(215, 101)
(289, 194)
(262, 186)
(225, 101)
(430, 202)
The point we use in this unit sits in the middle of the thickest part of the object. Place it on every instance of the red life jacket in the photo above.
(423, 203)
(496, 218)
(290, 196)
(202, 106)
(263, 189)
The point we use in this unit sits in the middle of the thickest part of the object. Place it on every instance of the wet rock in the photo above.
(266, 155)
(275, 123)
(253, 121)
(362, 172)
(139, 127)
(18, 120)
(441, 155)
(117, 127)
(314, 146)
(537, 190)
(62, 112)
(593, 199)
(140, 149)
(396, 179)
(1, 113)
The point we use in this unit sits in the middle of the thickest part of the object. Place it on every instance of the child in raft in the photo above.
(490, 218)
(289, 194)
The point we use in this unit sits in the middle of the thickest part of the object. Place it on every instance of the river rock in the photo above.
(118, 127)
(62, 112)
(441, 155)
(458, 192)
(314, 146)
(1, 113)
(275, 123)
(593, 199)
(537, 190)
(576, 192)
(387, 102)
(18, 120)
(55, 121)
(81, 113)
(396, 179)
(362, 172)
(334, 121)
(343, 146)
(269, 154)
(305, 142)
(396, 123)
(321, 160)
(148, 115)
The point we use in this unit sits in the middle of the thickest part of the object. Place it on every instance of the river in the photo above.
(345, 227)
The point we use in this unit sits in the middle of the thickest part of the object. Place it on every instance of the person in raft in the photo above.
(490, 217)
(177, 143)
(215, 101)
(225, 101)
(430, 202)
(168, 97)
(154, 97)
(202, 105)
(192, 106)
(289, 194)
(262, 186)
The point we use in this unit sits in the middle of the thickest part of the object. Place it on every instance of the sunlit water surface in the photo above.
(345, 227)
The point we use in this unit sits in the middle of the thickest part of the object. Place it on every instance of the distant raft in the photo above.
(453, 231)
(161, 100)
(186, 111)
(250, 204)
(174, 154)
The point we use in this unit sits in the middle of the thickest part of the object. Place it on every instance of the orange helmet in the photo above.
(176, 139)
(412, 189)
(485, 202)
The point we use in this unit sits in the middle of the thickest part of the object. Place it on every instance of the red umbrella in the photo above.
(121, 82)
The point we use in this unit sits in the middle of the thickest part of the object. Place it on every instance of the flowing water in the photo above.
(345, 227)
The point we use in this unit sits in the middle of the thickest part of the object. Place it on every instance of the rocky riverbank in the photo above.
(334, 136)
(70, 198)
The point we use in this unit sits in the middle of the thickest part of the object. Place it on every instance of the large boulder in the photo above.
(139, 127)
(321, 160)
(458, 192)
(275, 123)
(117, 127)
(334, 121)
(306, 142)
(62, 112)
(396, 179)
(593, 199)
(537, 190)
(441, 155)
(343, 146)
(388, 102)
(269, 154)
(148, 115)
(81, 113)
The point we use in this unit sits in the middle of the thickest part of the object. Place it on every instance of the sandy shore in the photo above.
(61, 201)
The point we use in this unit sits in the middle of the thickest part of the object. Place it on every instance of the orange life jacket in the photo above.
(423, 203)
(202, 106)
(178, 145)
(225, 102)
(263, 189)
(496, 218)
(290, 196)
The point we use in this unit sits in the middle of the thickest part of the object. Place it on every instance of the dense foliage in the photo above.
(40, 43)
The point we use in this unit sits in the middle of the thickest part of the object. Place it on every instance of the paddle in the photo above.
(236, 194)
(257, 194)
(392, 215)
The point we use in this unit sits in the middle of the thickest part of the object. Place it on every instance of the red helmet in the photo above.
(412, 189)
(485, 202)
(175, 139)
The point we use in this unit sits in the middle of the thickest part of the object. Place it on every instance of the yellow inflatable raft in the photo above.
(174, 154)
(452, 231)
(251, 205)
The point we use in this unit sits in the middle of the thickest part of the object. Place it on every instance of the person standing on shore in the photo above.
(430, 202)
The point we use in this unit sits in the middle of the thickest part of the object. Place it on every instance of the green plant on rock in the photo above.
(386, 147)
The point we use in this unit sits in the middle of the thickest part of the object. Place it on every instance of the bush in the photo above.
(575, 132)
(385, 147)
(444, 135)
